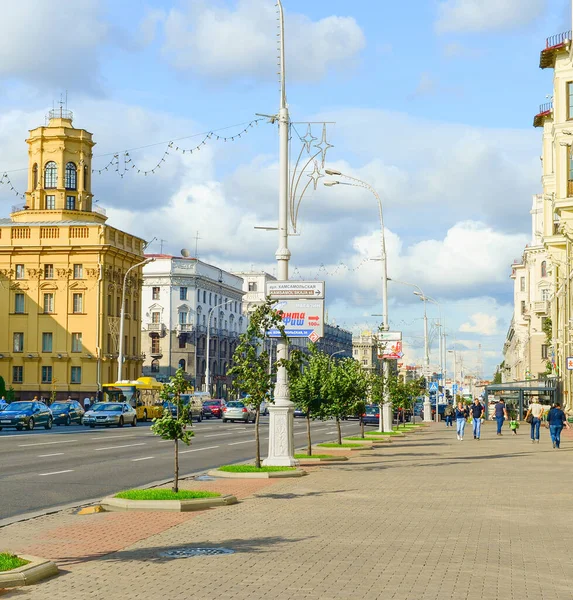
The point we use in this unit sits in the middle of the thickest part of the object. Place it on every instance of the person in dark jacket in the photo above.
(500, 412)
(461, 416)
(557, 420)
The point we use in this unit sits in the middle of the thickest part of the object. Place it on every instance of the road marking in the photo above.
(111, 437)
(198, 449)
(301, 433)
(56, 472)
(237, 443)
(124, 446)
(144, 458)
(216, 435)
(55, 454)
(46, 443)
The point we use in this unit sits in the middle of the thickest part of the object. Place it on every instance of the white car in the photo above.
(238, 411)
(107, 414)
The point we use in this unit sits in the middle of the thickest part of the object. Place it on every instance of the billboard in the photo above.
(302, 318)
(390, 350)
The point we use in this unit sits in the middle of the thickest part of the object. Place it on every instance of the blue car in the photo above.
(66, 413)
(26, 414)
(372, 415)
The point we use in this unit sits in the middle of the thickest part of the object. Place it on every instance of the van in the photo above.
(195, 405)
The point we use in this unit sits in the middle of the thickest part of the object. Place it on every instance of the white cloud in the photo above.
(484, 15)
(480, 323)
(246, 44)
(52, 45)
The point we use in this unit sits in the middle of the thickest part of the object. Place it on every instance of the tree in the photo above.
(403, 395)
(174, 428)
(2, 387)
(497, 376)
(253, 376)
(307, 386)
(376, 389)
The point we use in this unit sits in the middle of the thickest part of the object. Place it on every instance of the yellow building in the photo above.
(61, 275)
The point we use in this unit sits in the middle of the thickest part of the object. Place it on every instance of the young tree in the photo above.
(174, 428)
(2, 387)
(376, 390)
(251, 364)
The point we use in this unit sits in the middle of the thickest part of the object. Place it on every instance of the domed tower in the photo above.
(59, 173)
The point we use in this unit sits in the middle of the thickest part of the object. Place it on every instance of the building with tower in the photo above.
(62, 268)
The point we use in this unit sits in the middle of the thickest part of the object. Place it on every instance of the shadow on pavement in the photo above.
(291, 496)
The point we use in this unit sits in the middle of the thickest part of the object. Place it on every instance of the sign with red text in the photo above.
(302, 318)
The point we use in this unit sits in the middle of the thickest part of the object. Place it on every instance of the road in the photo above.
(42, 469)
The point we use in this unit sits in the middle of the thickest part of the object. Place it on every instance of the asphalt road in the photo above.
(42, 469)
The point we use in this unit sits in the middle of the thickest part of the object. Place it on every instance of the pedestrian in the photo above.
(500, 413)
(3, 403)
(87, 404)
(557, 420)
(514, 425)
(449, 415)
(461, 416)
(476, 410)
(533, 417)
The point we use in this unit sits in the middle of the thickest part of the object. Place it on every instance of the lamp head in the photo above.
(332, 172)
(331, 183)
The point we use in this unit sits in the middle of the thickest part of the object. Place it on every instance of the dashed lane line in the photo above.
(46, 455)
(46, 443)
(198, 449)
(117, 447)
(143, 458)
(55, 472)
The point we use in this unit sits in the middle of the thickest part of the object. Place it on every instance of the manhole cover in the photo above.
(189, 552)
(204, 478)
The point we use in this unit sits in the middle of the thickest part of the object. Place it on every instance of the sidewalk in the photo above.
(424, 517)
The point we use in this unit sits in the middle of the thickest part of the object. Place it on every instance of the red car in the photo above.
(213, 408)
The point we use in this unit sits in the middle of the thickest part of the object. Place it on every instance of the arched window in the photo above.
(544, 269)
(51, 175)
(198, 295)
(86, 180)
(71, 176)
(35, 176)
(182, 364)
(155, 366)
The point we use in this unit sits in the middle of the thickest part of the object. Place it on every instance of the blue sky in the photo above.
(433, 103)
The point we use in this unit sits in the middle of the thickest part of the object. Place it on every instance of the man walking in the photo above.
(476, 410)
(536, 412)
(557, 420)
(500, 414)
(449, 415)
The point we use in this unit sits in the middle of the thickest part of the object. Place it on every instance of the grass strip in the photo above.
(314, 456)
(332, 445)
(11, 561)
(253, 469)
(379, 433)
(165, 494)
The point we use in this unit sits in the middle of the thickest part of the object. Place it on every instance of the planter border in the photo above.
(262, 475)
(36, 570)
(175, 505)
(342, 449)
(313, 461)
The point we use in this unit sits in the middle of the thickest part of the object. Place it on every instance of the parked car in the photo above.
(195, 412)
(299, 412)
(372, 415)
(238, 411)
(66, 413)
(26, 414)
(264, 408)
(107, 414)
(195, 405)
(213, 408)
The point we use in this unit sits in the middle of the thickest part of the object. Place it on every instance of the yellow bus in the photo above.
(142, 394)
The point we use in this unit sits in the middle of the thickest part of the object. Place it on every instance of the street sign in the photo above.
(295, 289)
(390, 336)
(570, 363)
(302, 318)
(455, 388)
(433, 386)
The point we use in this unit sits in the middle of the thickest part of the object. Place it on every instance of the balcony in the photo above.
(553, 45)
(545, 110)
(156, 328)
(541, 308)
(202, 329)
(156, 353)
(185, 327)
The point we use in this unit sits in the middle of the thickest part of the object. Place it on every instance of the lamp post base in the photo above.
(427, 411)
(281, 437)
(387, 416)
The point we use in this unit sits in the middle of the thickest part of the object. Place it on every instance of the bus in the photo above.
(142, 394)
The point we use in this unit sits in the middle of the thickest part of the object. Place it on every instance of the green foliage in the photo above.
(376, 388)
(10, 394)
(333, 445)
(11, 561)
(253, 469)
(314, 456)
(2, 387)
(497, 376)
(547, 328)
(164, 494)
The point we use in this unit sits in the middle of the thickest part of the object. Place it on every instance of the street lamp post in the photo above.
(281, 413)
(122, 316)
(385, 422)
(441, 347)
(337, 352)
(208, 357)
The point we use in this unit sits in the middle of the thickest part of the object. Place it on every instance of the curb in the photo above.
(36, 570)
(311, 460)
(362, 447)
(263, 475)
(175, 505)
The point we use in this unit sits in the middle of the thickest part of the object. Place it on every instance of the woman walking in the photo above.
(557, 420)
(533, 417)
(461, 416)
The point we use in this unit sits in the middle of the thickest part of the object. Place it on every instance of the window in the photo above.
(155, 366)
(544, 294)
(17, 374)
(210, 298)
(544, 269)
(78, 303)
(50, 202)
(204, 320)
(70, 203)
(18, 342)
(20, 274)
(198, 295)
(48, 271)
(19, 303)
(109, 305)
(77, 345)
(35, 176)
(156, 317)
(76, 375)
(46, 374)
(523, 307)
(155, 345)
(522, 284)
(569, 100)
(181, 341)
(252, 286)
(204, 297)
(135, 315)
(155, 293)
(118, 307)
(134, 345)
(51, 175)
(48, 303)
(182, 364)
(71, 176)
(86, 180)
(182, 318)
(47, 339)
(78, 271)
(182, 293)
(544, 351)
(109, 343)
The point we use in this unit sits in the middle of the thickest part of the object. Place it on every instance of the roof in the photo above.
(8, 222)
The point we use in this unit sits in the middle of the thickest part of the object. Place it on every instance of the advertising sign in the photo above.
(302, 318)
(570, 363)
(295, 289)
(390, 336)
(390, 350)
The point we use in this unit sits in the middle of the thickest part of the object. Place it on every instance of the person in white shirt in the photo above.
(86, 403)
(536, 412)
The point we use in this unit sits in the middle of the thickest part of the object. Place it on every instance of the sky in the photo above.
(429, 101)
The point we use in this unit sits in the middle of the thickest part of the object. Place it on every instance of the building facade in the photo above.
(181, 298)
(365, 351)
(62, 270)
